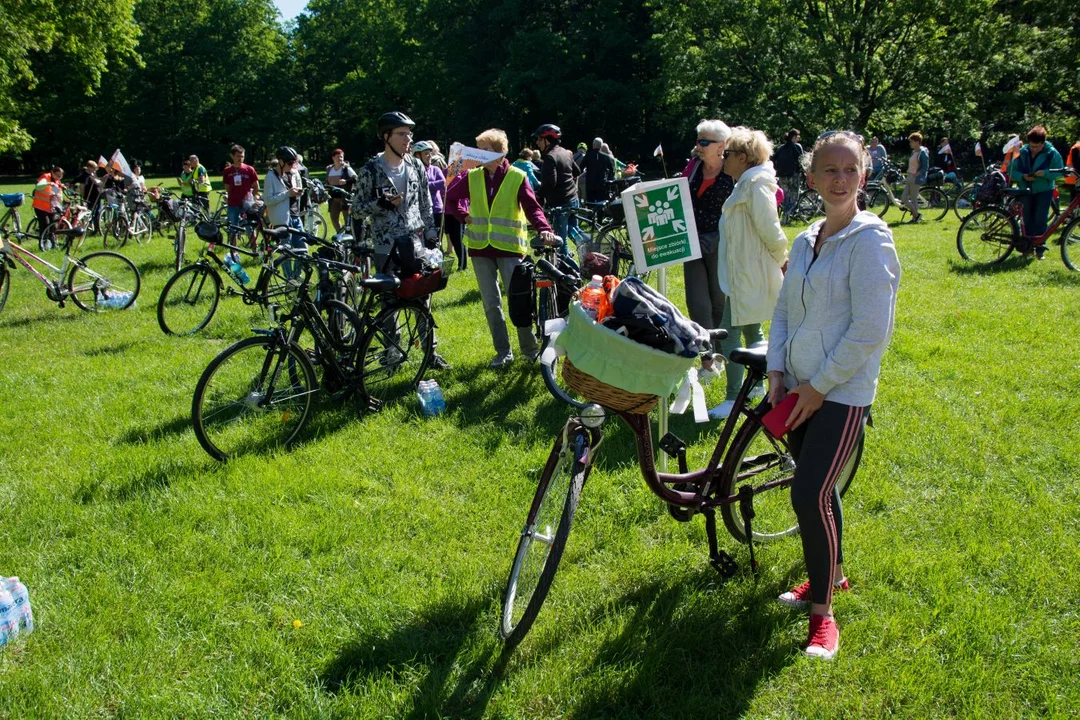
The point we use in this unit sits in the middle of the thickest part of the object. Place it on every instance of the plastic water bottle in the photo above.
(432, 402)
(236, 269)
(22, 604)
(593, 297)
(9, 623)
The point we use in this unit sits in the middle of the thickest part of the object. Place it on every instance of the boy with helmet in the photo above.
(558, 177)
(392, 190)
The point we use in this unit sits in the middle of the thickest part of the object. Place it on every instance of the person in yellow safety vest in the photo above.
(1073, 163)
(186, 189)
(501, 206)
(200, 182)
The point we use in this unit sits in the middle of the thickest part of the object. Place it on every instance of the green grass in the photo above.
(165, 584)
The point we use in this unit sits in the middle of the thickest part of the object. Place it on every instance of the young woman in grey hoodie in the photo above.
(832, 323)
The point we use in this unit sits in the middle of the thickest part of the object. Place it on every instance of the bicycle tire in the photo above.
(229, 409)
(122, 230)
(774, 517)
(1070, 247)
(5, 285)
(937, 203)
(877, 201)
(95, 280)
(48, 233)
(179, 244)
(394, 352)
(986, 236)
(551, 373)
(33, 229)
(141, 228)
(555, 501)
(187, 304)
(964, 202)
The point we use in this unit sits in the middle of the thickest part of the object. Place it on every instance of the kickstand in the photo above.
(720, 560)
(746, 509)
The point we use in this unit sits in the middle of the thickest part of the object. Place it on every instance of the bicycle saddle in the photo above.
(1016, 192)
(380, 282)
(752, 357)
(73, 232)
(278, 233)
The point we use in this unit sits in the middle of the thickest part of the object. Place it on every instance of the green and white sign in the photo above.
(660, 222)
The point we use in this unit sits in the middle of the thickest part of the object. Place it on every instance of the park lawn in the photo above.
(360, 574)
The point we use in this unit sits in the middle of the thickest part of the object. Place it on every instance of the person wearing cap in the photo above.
(436, 181)
(599, 173)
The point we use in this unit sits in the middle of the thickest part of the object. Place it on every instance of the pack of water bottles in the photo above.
(432, 402)
(115, 300)
(16, 617)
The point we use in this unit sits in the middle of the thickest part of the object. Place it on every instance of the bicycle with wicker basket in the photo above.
(747, 476)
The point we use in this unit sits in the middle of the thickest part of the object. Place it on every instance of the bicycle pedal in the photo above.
(672, 445)
(724, 564)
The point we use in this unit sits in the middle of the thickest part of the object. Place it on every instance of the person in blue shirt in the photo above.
(878, 158)
(525, 165)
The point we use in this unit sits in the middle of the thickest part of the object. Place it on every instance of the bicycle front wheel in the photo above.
(395, 352)
(964, 202)
(256, 394)
(1070, 248)
(189, 300)
(757, 459)
(103, 281)
(986, 236)
(552, 371)
(877, 201)
(48, 240)
(5, 285)
(543, 539)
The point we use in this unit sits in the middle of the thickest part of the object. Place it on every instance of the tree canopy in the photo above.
(164, 78)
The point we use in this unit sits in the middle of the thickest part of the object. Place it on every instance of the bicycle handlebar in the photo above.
(568, 281)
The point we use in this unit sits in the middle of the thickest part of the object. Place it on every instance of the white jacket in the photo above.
(752, 247)
(276, 195)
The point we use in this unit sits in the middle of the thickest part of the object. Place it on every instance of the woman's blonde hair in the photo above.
(753, 144)
(843, 137)
(496, 138)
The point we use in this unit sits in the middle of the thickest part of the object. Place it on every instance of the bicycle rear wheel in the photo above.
(877, 201)
(189, 300)
(964, 202)
(547, 526)
(756, 459)
(395, 352)
(1070, 247)
(5, 285)
(937, 203)
(986, 236)
(47, 238)
(103, 281)
(255, 394)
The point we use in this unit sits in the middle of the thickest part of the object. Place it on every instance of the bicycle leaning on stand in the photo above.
(748, 480)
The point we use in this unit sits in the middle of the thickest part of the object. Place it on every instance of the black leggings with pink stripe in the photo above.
(822, 446)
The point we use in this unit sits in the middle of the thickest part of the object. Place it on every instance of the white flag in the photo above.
(119, 162)
(978, 149)
(101, 161)
(659, 150)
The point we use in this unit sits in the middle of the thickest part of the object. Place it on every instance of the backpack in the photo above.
(991, 189)
(521, 295)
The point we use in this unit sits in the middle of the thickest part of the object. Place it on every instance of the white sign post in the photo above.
(660, 223)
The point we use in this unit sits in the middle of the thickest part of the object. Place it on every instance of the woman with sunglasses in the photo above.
(832, 323)
(751, 250)
(709, 188)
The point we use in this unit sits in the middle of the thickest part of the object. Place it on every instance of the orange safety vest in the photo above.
(1073, 151)
(44, 192)
(1009, 157)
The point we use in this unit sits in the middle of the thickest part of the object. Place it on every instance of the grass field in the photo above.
(360, 574)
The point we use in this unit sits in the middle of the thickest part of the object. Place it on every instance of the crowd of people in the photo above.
(830, 301)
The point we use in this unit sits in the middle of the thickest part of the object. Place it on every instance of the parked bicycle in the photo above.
(11, 220)
(99, 282)
(885, 193)
(748, 480)
(990, 234)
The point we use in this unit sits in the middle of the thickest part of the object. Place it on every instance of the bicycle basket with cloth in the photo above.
(12, 200)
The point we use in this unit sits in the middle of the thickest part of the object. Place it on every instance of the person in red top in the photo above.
(489, 262)
(240, 179)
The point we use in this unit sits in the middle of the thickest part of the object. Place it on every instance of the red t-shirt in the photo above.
(239, 181)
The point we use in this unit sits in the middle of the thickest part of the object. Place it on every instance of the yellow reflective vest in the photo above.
(185, 184)
(503, 225)
(204, 186)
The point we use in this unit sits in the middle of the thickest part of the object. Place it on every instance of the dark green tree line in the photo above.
(163, 78)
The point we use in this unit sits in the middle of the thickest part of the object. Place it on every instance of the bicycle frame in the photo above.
(1016, 209)
(20, 254)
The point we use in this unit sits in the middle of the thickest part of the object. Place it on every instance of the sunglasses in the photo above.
(728, 152)
(706, 142)
(845, 133)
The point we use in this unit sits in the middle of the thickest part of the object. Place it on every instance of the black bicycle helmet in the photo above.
(390, 121)
(286, 154)
(548, 131)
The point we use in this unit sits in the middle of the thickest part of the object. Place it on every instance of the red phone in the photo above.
(775, 421)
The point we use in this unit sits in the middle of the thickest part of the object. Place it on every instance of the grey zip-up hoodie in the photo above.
(835, 314)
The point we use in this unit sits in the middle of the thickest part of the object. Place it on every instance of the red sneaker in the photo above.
(824, 637)
(799, 597)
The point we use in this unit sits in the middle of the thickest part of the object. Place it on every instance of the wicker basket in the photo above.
(607, 395)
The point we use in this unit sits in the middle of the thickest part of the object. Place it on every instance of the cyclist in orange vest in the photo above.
(48, 193)
(1073, 163)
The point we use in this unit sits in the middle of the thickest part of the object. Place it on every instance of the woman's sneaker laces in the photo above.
(824, 638)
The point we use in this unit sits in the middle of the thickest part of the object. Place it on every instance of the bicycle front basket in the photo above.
(12, 200)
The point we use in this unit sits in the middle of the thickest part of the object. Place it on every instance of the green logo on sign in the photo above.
(662, 222)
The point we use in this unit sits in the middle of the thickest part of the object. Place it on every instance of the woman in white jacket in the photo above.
(751, 250)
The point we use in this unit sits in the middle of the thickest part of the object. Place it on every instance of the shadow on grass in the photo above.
(161, 431)
(449, 645)
(469, 298)
(109, 349)
(1009, 264)
(693, 652)
(141, 482)
(1063, 277)
(57, 315)
(151, 266)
